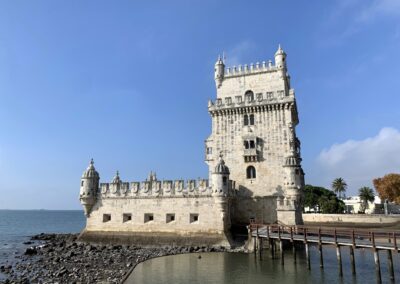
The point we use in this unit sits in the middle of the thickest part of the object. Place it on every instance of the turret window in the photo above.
(251, 172)
(82, 183)
(224, 180)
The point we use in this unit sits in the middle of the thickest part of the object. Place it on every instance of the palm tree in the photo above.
(339, 186)
(366, 195)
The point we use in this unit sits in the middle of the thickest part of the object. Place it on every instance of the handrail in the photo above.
(337, 233)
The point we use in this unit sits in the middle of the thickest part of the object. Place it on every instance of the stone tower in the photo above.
(254, 118)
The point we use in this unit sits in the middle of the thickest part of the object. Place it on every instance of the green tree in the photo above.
(322, 200)
(339, 186)
(366, 195)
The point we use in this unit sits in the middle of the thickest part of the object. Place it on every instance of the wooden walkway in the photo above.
(353, 238)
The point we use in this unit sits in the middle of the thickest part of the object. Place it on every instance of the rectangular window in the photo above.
(82, 183)
(252, 144)
(148, 217)
(209, 150)
(126, 217)
(194, 218)
(170, 218)
(106, 218)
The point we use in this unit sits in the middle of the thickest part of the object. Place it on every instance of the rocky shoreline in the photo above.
(60, 258)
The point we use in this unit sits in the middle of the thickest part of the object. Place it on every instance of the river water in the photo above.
(18, 226)
(232, 268)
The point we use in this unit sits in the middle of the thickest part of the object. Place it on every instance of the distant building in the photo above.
(254, 159)
(353, 205)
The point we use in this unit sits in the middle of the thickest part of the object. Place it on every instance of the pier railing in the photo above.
(374, 239)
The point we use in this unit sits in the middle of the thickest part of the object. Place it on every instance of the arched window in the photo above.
(246, 119)
(246, 144)
(251, 119)
(249, 95)
(251, 172)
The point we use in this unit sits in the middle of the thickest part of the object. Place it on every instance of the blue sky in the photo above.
(127, 83)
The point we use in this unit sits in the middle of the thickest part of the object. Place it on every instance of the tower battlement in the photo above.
(249, 69)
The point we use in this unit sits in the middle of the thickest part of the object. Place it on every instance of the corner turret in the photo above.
(219, 71)
(89, 186)
(280, 58)
(220, 179)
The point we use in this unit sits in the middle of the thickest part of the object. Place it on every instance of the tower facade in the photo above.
(254, 119)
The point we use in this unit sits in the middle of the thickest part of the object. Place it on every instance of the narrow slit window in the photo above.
(251, 119)
(246, 120)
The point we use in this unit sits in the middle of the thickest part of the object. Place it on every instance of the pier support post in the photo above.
(390, 263)
(339, 259)
(352, 261)
(272, 248)
(321, 257)
(294, 251)
(260, 246)
(255, 245)
(377, 266)
(308, 256)
(281, 251)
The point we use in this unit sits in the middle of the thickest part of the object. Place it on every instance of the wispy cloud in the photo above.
(348, 17)
(378, 8)
(359, 161)
(236, 54)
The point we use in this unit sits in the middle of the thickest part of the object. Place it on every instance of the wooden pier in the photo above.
(374, 240)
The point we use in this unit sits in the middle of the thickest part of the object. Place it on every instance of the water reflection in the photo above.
(247, 268)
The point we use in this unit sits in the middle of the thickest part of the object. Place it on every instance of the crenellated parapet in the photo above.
(247, 69)
(156, 188)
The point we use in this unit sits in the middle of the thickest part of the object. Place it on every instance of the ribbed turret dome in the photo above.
(279, 51)
(221, 168)
(91, 171)
(219, 61)
(116, 179)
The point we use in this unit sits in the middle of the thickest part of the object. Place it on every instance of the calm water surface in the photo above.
(232, 268)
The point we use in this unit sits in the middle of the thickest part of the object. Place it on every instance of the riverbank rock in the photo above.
(59, 258)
